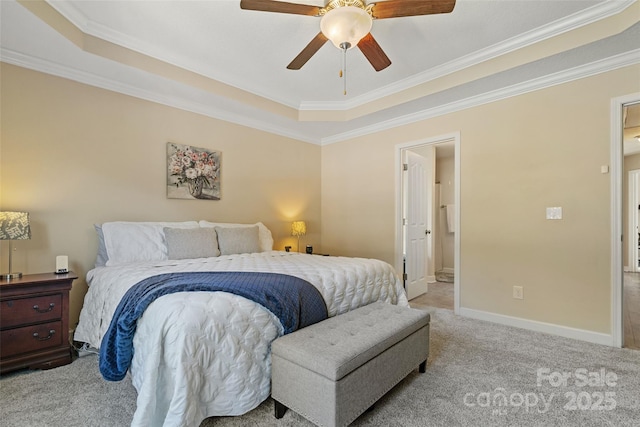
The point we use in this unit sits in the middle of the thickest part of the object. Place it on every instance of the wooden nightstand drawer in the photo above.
(24, 311)
(30, 338)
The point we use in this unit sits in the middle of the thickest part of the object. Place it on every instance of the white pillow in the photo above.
(264, 234)
(138, 241)
(238, 240)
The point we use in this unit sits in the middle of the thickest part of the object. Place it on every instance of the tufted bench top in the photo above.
(335, 347)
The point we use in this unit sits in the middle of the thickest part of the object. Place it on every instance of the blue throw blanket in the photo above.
(294, 301)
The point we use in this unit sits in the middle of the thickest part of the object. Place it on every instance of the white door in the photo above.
(418, 221)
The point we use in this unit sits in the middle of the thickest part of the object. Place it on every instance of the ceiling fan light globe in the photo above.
(347, 24)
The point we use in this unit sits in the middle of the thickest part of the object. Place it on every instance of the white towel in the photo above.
(451, 218)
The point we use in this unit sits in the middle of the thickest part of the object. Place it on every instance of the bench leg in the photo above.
(280, 409)
(423, 367)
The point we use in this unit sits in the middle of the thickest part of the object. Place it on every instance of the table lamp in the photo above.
(298, 228)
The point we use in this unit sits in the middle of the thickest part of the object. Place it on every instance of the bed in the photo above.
(203, 354)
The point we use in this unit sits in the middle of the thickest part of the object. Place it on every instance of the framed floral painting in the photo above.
(192, 173)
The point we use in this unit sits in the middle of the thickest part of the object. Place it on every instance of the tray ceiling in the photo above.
(213, 58)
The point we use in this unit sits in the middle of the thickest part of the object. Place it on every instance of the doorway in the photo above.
(440, 229)
(625, 283)
(419, 166)
(630, 295)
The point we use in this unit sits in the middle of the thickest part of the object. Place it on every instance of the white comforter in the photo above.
(202, 354)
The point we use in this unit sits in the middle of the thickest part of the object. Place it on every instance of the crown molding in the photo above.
(49, 67)
(576, 20)
(586, 70)
(565, 76)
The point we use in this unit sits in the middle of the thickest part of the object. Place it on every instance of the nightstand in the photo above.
(34, 321)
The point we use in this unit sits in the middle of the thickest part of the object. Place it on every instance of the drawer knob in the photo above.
(36, 308)
(37, 336)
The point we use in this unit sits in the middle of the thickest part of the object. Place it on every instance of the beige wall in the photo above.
(518, 156)
(73, 155)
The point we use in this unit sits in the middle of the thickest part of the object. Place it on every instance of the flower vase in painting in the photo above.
(193, 173)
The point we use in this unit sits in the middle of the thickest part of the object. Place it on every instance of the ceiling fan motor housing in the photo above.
(345, 22)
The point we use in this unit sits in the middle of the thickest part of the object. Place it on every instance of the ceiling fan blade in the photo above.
(398, 8)
(374, 53)
(279, 6)
(306, 54)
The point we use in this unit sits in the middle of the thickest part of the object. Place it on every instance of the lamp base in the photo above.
(10, 276)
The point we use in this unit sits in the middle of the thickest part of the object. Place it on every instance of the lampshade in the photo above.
(298, 228)
(14, 226)
(346, 24)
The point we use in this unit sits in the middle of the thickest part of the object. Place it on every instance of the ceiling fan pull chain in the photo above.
(344, 54)
(344, 46)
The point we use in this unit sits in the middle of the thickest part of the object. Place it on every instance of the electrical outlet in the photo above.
(518, 292)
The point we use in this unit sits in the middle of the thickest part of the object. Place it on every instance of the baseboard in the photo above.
(534, 325)
(431, 279)
(448, 270)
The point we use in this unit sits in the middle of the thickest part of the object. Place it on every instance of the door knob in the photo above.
(427, 232)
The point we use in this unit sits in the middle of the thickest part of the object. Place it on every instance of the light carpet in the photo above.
(479, 374)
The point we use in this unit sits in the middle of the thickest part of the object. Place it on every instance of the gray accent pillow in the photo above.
(238, 240)
(185, 243)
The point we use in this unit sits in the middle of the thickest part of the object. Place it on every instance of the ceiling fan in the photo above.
(347, 23)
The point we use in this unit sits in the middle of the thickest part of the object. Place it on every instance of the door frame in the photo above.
(617, 172)
(399, 148)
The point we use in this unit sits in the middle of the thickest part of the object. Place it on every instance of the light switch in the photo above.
(554, 213)
(604, 169)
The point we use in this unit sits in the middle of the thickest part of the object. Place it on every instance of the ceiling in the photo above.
(215, 59)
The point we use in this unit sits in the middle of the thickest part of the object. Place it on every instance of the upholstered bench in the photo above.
(333, 371)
